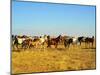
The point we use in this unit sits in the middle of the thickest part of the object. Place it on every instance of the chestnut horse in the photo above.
(53, 41)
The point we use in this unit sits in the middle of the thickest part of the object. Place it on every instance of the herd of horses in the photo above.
(26, 42)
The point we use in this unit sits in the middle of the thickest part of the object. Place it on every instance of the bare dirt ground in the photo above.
(53, 59)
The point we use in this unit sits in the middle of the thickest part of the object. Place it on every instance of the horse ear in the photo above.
(60, 35)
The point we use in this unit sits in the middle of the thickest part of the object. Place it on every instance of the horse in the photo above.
(70, 40)
(89, 40)
(67, 42)
(38, 41)
(53, 41)
(26, 43)
(16, 41)
(81, 39)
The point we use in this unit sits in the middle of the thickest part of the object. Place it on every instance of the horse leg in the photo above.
(49, 45)
(68, 45)
(30, 46)
(43, 46)
(56, 45)
(17, 47)
(72, 45)
(36, 45)
(65, 44)
(89, 45)
(23, 46)
(92, 44)
(85, 44)
(80, 43)
(12, 47)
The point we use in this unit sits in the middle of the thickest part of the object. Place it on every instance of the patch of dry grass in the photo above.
(51, 59)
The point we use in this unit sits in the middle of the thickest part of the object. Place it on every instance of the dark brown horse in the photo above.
(89, 41)
(53, 41)
(26, 43)
(68, 42)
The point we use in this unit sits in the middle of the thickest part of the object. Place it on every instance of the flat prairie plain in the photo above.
(53, 59)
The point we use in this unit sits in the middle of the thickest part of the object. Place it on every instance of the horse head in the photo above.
(59, 38)
(93, 37)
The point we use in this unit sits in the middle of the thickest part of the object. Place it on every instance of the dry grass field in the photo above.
(53, 59)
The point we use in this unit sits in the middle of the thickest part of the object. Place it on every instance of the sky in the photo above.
(34, 18)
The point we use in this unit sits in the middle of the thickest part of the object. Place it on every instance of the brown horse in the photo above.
(53, 41)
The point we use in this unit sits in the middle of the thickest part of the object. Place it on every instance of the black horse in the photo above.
(81, 39)
(14, 41)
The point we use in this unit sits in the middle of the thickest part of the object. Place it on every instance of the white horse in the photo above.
(39, 42)
(75, 40)
(20, 40)
(71, 40)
